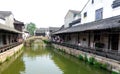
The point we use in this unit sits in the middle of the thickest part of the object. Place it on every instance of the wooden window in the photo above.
(75, 15)
(99, 14)
(92, 1)
(85, 14)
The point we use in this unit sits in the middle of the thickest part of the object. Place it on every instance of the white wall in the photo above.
(68, 19)
(108, 11)
(116, 11)
(9, 21)
(25, 35)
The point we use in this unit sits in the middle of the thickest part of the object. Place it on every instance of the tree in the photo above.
(31, 27)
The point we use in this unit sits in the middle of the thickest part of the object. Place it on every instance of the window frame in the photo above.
(92, 2)
(85, 14)
(99, 14)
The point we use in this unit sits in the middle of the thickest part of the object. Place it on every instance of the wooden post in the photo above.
(89, 39)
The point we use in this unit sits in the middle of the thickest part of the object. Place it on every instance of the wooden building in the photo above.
(10, 35)
(96, 29)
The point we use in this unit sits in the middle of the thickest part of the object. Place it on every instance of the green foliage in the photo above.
(31, 28)
(8, 58)
(91, 60)
(113, 72)
(104, 66)
(1, 62)
(85, 58)
(46, 41)
(97, 64)
(81, 57)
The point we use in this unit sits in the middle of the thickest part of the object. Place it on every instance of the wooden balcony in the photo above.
(7, 47)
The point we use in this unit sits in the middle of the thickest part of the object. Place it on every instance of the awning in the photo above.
(108, 23)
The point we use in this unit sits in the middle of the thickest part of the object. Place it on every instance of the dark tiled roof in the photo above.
(108, 23)
(4, 14)
(61, 28)
(6, 28)
(75, 11)
(116, 3)
(53, 29)
(41, 30)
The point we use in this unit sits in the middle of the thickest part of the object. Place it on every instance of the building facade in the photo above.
(9, 34)
(99, 9)
(98, 26)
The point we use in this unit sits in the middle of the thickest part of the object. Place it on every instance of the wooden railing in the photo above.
(98, 51)
(7, 47)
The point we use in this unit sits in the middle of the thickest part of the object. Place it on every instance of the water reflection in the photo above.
(13, 66)
(44, 60)
(71, 65)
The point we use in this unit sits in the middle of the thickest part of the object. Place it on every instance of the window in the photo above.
(92, 1)
(116, 3)
(99, 14)
(85, 14)
(75, 15)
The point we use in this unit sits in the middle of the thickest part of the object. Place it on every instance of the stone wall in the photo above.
(7, 54)
(112, 64)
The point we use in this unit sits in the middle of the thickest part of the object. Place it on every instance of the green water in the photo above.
(44, 60)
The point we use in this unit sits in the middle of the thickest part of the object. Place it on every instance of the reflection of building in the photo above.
(10, 29)
(98, 26)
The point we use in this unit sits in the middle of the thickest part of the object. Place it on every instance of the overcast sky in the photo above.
(44, 13)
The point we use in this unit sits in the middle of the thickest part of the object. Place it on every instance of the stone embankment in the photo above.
(105, 63)
(9, 53)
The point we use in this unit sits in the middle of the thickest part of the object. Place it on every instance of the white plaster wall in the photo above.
(108, 11)
(116, 11)
(2, 21)
(69, 18)
(9, 21)
(25, 35)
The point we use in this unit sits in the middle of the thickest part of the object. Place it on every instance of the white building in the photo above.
(8, 32)
(99, 9)
(70, 17)
(98, 23)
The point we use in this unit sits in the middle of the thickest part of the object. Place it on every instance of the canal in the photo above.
(39, 59)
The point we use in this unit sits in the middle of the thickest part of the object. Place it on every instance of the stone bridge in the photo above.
(30, 40)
